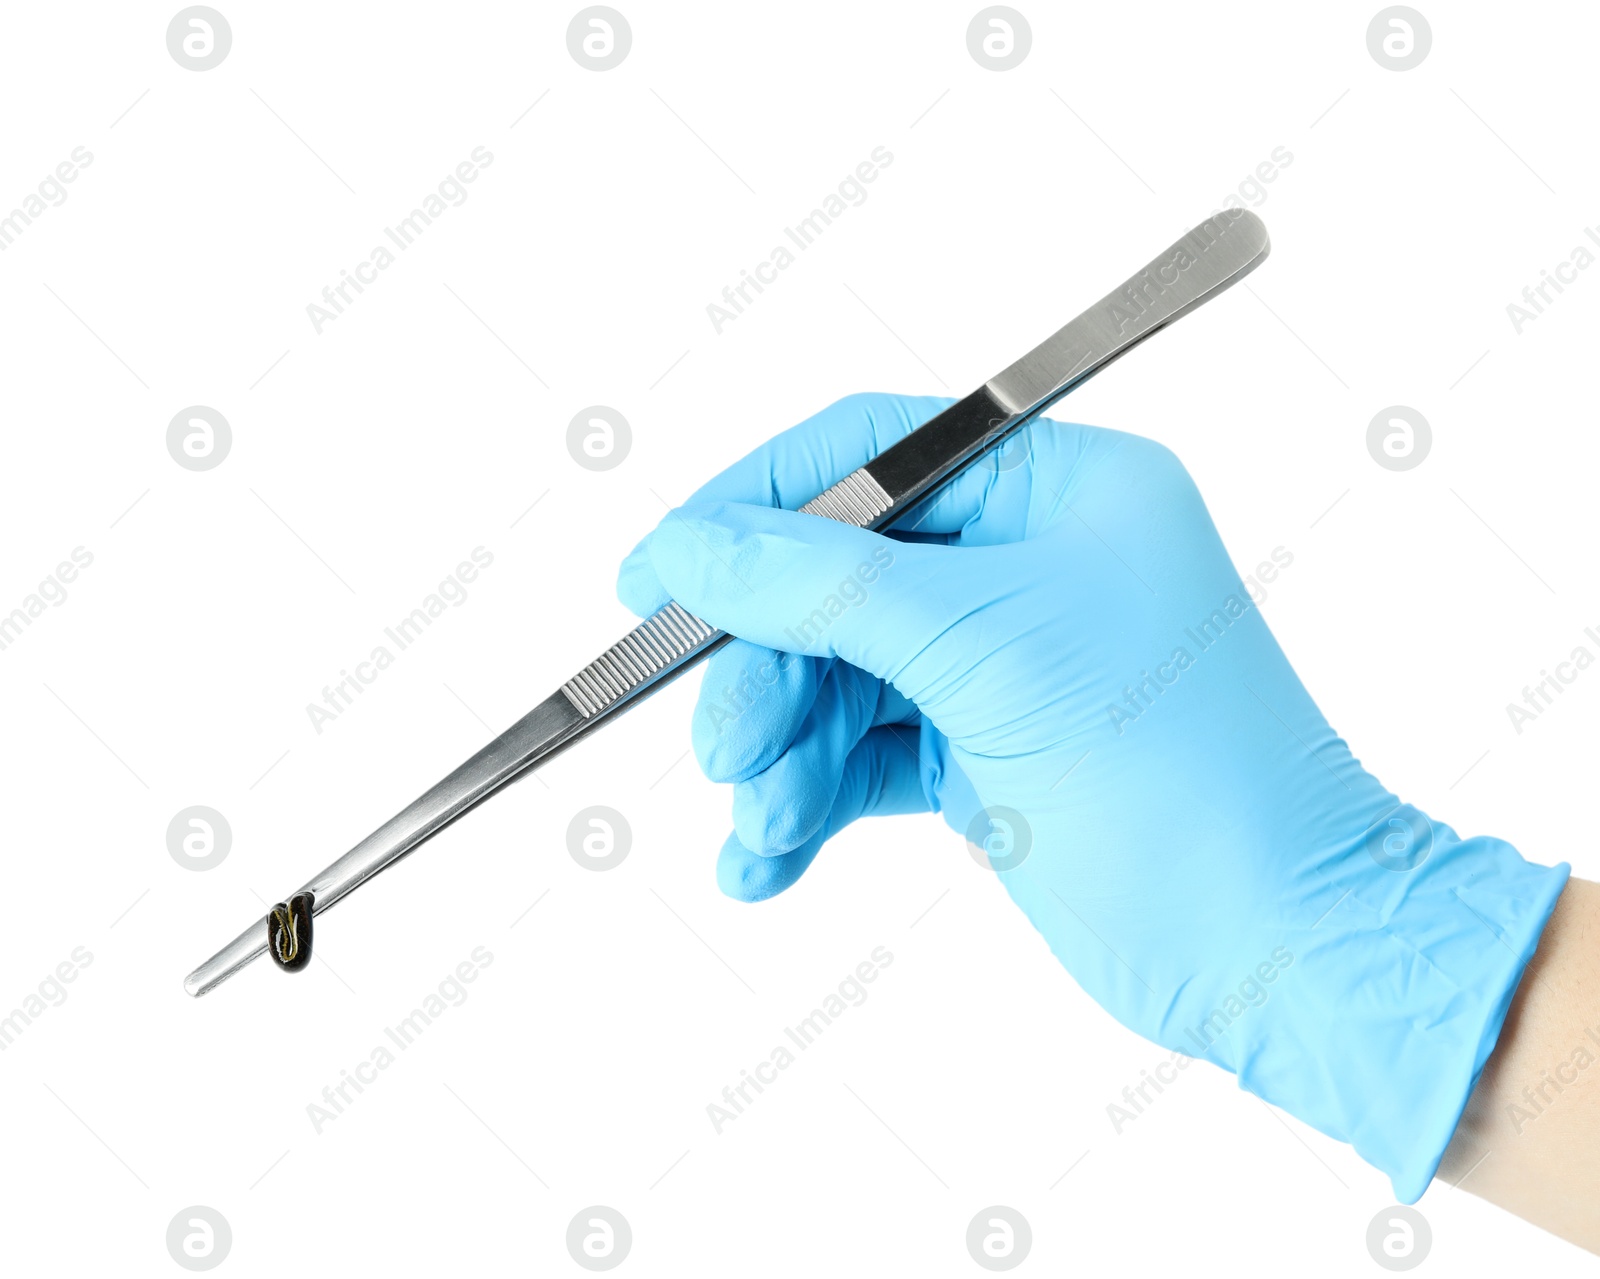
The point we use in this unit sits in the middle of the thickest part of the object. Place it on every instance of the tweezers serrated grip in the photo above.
(673, 635)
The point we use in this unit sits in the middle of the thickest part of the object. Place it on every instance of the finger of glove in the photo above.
(799, 583)
(752, 703)
(792, 468)
(780, 808)
(1011, 493)
(882, 777)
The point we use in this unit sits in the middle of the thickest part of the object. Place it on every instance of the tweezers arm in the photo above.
(672, 639)
(536, 736)
(661, 647)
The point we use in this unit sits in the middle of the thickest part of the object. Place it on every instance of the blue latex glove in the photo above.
(1063, 661)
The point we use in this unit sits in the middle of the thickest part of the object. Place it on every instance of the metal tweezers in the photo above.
(1206, 260)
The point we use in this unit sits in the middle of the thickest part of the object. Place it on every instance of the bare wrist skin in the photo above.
(1529, 1140)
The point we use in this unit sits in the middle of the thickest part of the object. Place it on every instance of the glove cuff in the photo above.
(1408, 979)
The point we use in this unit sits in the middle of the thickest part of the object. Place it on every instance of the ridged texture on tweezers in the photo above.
(661, 640)
(669, 635)
(857, 499)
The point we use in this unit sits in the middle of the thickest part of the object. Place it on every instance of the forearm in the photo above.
(1529, 1140)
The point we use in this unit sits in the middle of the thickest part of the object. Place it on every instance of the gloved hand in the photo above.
(1059, 656)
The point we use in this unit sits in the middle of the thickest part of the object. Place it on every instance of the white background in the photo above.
(427, 420)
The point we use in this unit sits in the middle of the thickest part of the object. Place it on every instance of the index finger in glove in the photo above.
(792, 468)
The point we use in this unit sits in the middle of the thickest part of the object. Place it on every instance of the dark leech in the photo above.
(289, 933)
